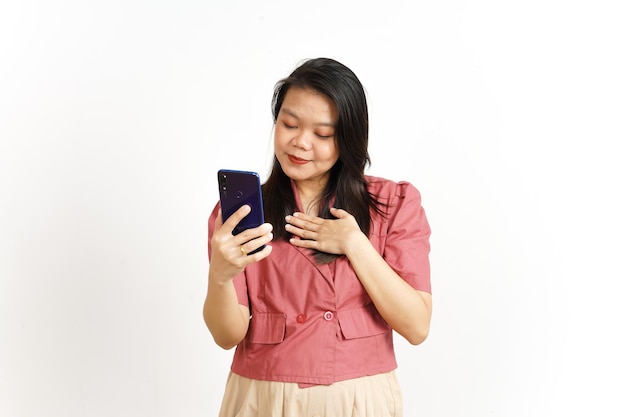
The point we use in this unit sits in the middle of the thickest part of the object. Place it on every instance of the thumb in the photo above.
(339, 213)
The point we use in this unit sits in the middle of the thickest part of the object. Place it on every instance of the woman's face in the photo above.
(304, 136)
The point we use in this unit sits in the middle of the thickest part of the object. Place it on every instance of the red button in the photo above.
(329, 315)
(300, 318)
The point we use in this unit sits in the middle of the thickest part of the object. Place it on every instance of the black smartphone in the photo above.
(236, 189)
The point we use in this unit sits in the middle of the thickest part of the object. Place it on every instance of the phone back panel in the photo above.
(236, 189)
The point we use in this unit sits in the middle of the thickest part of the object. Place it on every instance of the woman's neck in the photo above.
(310, 195)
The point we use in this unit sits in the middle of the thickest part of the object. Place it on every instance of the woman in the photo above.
(345, 264)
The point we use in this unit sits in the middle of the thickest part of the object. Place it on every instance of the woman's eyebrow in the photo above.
(289, 112)
(295, 116)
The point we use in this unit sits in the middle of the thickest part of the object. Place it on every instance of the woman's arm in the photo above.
(226, 319)
(406, 310)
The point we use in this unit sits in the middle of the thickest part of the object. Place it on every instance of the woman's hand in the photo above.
(334, 236)
(229, 253)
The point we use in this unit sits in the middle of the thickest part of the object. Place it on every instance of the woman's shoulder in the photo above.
(386, 188)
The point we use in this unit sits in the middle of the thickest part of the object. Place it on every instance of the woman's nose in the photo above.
(302, 140)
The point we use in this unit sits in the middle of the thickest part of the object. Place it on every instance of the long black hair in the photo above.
(347, 177)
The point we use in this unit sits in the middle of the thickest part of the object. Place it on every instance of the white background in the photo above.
(509, 117)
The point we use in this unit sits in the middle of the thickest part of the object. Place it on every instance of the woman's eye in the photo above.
(324, 136)
(288, 126)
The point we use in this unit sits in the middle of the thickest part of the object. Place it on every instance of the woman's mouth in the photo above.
(296, 160)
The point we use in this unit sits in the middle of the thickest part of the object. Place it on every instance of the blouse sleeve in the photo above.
(239, 280)
(407, 246)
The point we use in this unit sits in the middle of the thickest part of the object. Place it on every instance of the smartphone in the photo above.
(236, 189)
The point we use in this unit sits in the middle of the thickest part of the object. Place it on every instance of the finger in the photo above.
(304, 243)
(253, 251)
(339, 213)
(253, 244)
(303, 223)
(237, 216)
(256, 257)
(295, 241)
(308, 218)
(263, 232)
(300, 231)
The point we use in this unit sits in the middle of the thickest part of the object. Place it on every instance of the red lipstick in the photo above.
(297, 161)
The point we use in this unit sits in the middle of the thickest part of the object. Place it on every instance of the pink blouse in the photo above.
(315, 324)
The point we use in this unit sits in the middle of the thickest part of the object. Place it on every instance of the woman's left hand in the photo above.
(334, 236)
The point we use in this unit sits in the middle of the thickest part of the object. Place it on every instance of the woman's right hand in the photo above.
(229, 253)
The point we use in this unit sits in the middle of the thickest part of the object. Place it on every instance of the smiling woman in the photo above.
(345, 264)
(304, 142)
(115, 117)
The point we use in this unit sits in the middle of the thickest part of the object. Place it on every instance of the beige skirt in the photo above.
(369, 396)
